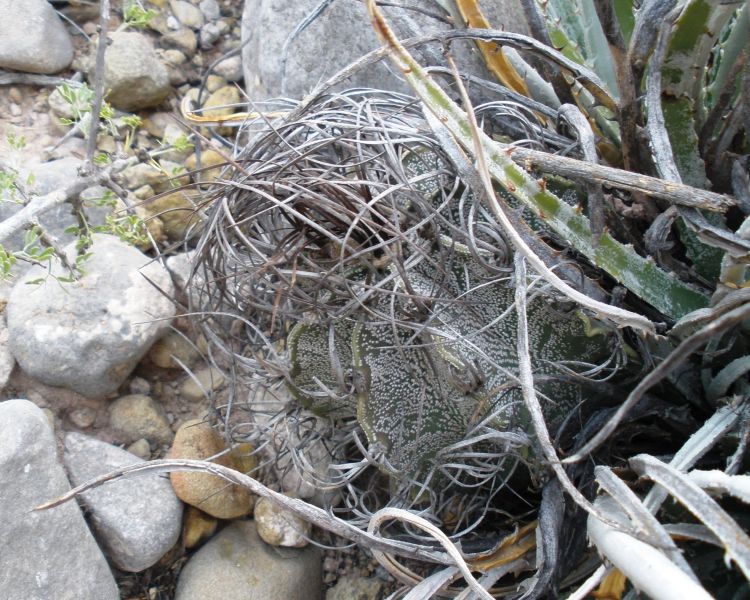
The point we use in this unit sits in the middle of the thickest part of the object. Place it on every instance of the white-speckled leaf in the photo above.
(321, 354)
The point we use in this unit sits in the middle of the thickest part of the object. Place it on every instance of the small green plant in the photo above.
(15, 141)
(11, 188)
(132, 122)
(80, 98)
(131, 229)
(135, 16)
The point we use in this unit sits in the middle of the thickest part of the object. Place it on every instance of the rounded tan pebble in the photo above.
(137, 416)
(198, 527)
(208, 380)
(279, 527)
(14, 94)
(183, 39)
(214, 82)
(209, 158)
(83, 417)
(172, 351)
(196, 439)
(140, 448)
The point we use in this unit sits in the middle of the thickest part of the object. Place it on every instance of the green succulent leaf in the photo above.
(321, 358)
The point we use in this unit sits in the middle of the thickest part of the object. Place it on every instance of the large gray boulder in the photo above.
(338, 36)
(33, 38)
(136, 519)
(48, 554)
(237, 565)
(88, 335)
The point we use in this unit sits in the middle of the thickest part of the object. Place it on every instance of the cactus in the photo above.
(419, 385)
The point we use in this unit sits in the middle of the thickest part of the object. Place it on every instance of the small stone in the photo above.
(142, 174)
(90, 28)
(134, 77)
(140, 448)
(174, 57)
(83, 417)
(222, 102)
(136, 519)
(173, 23)
(106, 143)
(144, 192)
(59, 106)
(14, 95)
(208, 158)
(156, 122)
(198, 440)
(189, 15)
(237, 565)
(278, 527)
(208, 34)
(356, 588)
(214, 82)
(173, 351)
(137, 416)
(210, 9)
(176, 211)
(202, 384)
(198, 527)
(139, 385)
(183, 39)
(15, 110)
(230, 68)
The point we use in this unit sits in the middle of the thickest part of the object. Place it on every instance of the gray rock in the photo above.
(209, 33)
(7, 362)
(48, 554)
(33, 38)
(279, 527)
(210, 9)
(267, 25)
(88, 335)
(133, 73)
(237, 565)
(184, 39)
(137, 519)
(187, 14)
(356, 588)
(202, 384)
(230, 68)
(137, 416)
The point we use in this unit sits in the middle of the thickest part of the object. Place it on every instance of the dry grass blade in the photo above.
(647, 567)
(736, 541)
(719, 483)
(387, 514)
(645, 523)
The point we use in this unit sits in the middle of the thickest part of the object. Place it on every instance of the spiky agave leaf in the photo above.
(642, 276)
(575, 29)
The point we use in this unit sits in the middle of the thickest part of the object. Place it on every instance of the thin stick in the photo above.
(96, 105)
(313, 514)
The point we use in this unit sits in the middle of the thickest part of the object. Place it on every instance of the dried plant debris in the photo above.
(379, 290)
